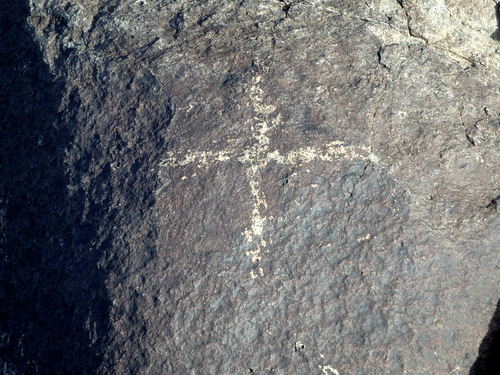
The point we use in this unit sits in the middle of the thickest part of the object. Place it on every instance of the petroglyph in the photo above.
(365, 238)
(328, 369)
(256, 157)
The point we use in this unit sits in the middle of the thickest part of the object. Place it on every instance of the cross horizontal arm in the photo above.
(199, 158)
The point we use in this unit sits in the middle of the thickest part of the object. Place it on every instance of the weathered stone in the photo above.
(258, 187)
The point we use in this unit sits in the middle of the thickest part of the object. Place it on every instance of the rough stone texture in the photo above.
(267, 187)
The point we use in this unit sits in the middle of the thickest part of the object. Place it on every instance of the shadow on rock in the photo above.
(54, 309)
(496, 34)
(488, 359)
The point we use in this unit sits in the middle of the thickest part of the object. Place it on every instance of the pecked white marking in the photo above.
(256, 157)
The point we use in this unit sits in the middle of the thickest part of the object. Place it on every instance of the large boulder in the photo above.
(303, 187)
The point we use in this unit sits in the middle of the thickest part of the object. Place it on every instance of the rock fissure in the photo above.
(467, 131)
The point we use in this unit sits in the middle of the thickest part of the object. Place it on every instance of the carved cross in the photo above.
(256, 158)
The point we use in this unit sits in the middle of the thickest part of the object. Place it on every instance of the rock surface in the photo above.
(266, 187)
